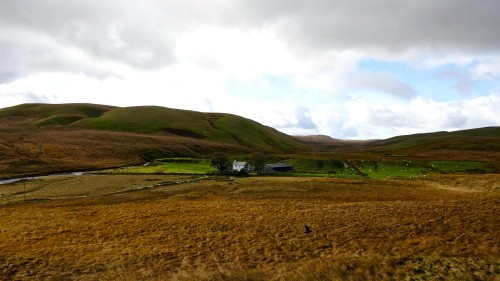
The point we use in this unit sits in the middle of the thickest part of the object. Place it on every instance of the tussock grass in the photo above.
(467, 182)
(61, 187)
(253, 229)
(339, 268)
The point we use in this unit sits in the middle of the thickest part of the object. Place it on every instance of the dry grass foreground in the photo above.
(253, 229)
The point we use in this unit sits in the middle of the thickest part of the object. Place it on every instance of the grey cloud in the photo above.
(454, 121)
(448, 118)
(304, 121)
(29, 97)
(133, 43)
(128, 32)
(382, 82)
(386, 117)
(22, 56)
(8, 76)
(462, 81)
(141, 33)
(301, 124)
(348, 132)
(392, 25)
(32, 98)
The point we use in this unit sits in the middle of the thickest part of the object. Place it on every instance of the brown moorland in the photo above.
(49, 150)
(444, 228)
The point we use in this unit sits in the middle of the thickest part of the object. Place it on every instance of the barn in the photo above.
(277, 168)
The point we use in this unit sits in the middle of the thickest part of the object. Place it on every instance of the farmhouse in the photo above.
(267, 168)
(238, 166)
(276, 168)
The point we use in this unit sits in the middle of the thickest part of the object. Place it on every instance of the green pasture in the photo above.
(409, 169)
(382, 169)
(304, 167)
(460, 167)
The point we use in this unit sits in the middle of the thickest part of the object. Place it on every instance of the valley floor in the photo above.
(444, 228)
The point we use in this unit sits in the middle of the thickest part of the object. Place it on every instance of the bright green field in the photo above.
(306, 168)
(460, 167)
(404, 169)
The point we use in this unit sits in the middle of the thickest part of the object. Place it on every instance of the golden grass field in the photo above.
(441, 228)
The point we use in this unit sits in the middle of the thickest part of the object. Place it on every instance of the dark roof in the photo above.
(278, 165)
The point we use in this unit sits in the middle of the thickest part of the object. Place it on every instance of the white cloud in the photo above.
(488, 69)
(361, 119)
(243, 53)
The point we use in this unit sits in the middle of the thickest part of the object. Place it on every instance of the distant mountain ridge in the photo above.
(329, 141)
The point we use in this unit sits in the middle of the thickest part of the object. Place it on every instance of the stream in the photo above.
(7, 181)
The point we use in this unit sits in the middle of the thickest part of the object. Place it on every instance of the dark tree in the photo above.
(258, 161)
(220, 162)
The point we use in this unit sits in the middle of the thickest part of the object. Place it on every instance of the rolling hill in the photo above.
(45, 138)
(41, 138)
(221, 127)
(481, 144)
(328, 143)
(226, 128)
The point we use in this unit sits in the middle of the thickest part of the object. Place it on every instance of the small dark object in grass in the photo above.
(308, 230)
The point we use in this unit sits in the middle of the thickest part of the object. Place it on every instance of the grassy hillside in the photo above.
(476, 144)
(147, 119)
(454, 140)
(54, 114)
(252, 134)
(45, 138)
(220, 127)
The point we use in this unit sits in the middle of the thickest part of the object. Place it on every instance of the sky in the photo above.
(357, 69)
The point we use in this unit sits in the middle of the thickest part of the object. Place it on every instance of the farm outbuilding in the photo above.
(277, 168)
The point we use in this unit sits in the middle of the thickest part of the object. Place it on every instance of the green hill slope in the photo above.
(53, 114)
(219, 127)
(211, 126)
(474, 139)
(482, 144)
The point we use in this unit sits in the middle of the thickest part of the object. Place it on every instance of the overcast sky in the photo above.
(349, 69)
